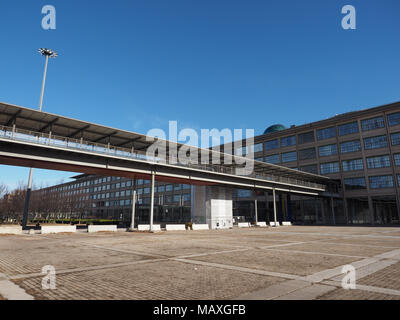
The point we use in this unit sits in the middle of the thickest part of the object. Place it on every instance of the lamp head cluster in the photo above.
(48, 52)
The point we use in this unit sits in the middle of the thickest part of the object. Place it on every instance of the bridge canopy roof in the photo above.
(44, 122)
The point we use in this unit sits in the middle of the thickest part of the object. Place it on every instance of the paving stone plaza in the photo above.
(297, 262)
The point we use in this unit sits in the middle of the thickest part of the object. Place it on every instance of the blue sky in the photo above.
(207, 64)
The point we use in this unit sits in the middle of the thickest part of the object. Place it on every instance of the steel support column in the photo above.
(333, 212)
(133, 209)
(152, 200)
(274, 200)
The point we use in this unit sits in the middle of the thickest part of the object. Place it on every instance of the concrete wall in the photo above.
(10, 230)
(212, 205)
(200, 226)
(58, 229)
(110, 228)
(146, 227)
(175, 227)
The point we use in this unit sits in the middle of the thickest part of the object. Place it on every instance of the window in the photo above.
(140, 181)
(394, 119)
(398, 179)
(371, 124)
(161, 188)
(270, 145)
(306, 137)
(168, 187)
(355, 183)
(146, 190)
(259, 159)
(257, 147)
(330, 167)
(379, 182)
(288, 141)
(177, 187)
(328, 150)
(186, 197)
(310, 168)
(352, 165)
(274, 159)
(242, 151)
(326, 133)
(307, 154)
(350, 146)
(378, 162)
(244, 193)
(289, 156)
(375, 142)
(397, 159)
(395, 137)
(348, 128)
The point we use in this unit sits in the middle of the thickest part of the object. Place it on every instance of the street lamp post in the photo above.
(48, 53)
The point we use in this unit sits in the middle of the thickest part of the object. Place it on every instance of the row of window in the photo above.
(374, 162)
(332, 149)
(128, 202)
(323, 134)
(375, 182)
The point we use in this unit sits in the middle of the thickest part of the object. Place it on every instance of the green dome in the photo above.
(275, 128)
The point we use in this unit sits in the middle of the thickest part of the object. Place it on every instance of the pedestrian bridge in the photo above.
(35, 139)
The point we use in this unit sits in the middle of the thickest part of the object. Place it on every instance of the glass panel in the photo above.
(378, 162)
(355, 183)
(371, 124)
(378, 182)
(288, 141)
(307, 154)
(395, 137)
(274, 159)
(273, 144)
(352, 165)
(289, 156)
(332, 167)
(326, 133)
(328, 150)
(375, 142)
(310, 168)
(394, 119)
(348, 128)
(350, 146)
(306, 137)
(397, 159)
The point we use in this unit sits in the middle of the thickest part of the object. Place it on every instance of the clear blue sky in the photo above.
(207, 64)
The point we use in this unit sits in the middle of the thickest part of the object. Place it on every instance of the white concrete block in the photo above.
(286, 223)
(200, 227)
(102, 228)
(272, 224)
(261, 224)
(58, 229)
(244, 224)
(11, 230)
(146, 227)
(175, 227)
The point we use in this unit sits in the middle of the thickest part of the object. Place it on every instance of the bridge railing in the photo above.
(41, 138)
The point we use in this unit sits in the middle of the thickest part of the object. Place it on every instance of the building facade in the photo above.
(360, 151)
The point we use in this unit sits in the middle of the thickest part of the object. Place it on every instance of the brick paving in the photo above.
(261, 263)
